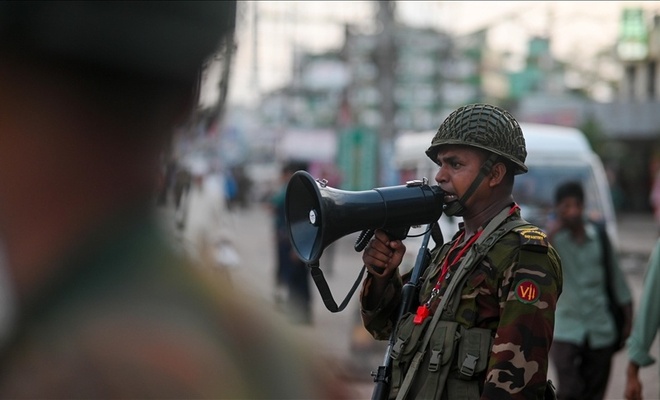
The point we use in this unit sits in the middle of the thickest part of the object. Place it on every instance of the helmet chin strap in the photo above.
(457, 208)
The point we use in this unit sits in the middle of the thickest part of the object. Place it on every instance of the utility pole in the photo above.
(255, 52)
(386, 62)
(224, 57)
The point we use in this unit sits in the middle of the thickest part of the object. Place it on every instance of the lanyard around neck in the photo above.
(424, 310)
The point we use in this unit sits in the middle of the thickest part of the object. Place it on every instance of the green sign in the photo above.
(633, 42)
(357, 159)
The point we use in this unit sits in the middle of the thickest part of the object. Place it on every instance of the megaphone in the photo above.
(317, 215)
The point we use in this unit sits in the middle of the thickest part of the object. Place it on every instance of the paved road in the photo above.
(333, 331)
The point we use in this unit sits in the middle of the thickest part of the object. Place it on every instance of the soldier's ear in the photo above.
(497, 173)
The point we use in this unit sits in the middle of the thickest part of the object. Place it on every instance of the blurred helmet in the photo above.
(157, 39)
(484, 126)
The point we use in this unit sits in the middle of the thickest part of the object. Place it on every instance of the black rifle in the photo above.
(409, 294)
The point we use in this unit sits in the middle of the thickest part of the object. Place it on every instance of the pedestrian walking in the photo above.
(586, 334)
(292, 277)
(645, 327)
(208, 227)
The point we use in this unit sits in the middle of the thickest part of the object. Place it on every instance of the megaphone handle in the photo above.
(361, 243)
(366, 235)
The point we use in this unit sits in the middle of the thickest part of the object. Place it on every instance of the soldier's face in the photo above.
(459, 167)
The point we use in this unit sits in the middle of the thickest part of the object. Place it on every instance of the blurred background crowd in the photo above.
(336, 86)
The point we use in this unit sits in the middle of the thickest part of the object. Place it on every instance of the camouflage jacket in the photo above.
(513, 292)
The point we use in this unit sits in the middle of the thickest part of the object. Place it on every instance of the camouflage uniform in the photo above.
(107, 308)
(508, 299)
(127, 318)
(493, 298)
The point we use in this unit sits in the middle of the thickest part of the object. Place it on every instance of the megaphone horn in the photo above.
(317, 215)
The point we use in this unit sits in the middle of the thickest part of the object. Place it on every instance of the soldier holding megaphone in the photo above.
(484, 318)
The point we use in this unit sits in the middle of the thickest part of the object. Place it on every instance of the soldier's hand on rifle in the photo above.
(382, 256)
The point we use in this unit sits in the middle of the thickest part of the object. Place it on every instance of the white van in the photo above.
(555, 154)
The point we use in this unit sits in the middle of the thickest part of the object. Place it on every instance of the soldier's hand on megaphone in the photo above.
(383, 255)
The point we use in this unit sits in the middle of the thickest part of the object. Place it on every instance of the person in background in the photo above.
(329, 173)
(243, 186)
(100, 305)
(180, 186)
(585, 330)
(165, 179)
(489, 338)
(209, 225)
(646, 325)
(292, 277)
(654, 198)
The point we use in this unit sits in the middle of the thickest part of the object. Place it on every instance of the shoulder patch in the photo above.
(527, 291)
(532, 238)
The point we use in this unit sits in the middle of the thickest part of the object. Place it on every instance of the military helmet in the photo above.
(161, 40)
(484, 126)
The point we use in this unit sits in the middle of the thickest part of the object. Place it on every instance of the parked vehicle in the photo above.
(555, 155)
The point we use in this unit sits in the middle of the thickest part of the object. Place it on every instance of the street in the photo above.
(333, 331)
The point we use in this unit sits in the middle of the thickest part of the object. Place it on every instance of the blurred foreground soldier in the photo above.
(586, 335)
(645, 328)
(103, 308)
(485, 320)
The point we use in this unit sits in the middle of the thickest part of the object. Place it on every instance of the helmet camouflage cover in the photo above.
(484, 126)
